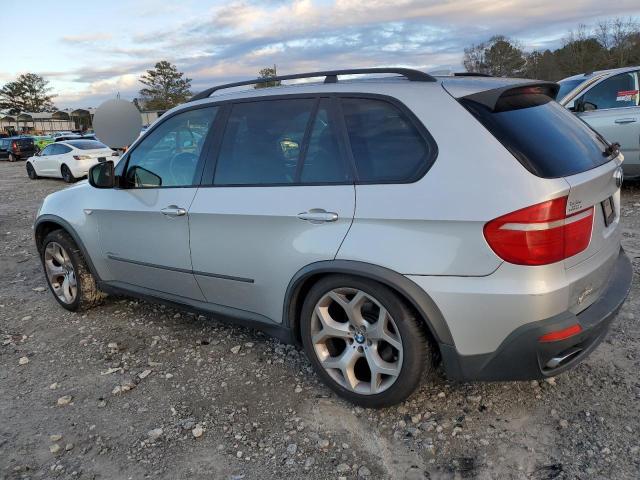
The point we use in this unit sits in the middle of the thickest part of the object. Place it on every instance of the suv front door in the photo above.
(611, 108)
(281, 197)
(144, 224)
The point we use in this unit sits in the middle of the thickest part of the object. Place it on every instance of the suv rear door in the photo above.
(280, 197)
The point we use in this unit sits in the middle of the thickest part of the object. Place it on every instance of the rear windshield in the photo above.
(86, 144)
(24, 142)
(545, 137)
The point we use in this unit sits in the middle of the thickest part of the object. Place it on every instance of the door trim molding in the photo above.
(180, 270)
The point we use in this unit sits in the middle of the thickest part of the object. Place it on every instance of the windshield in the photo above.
(566, 86)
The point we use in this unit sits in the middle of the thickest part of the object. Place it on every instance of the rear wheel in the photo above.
(363, 341)
(31, 172)
(12, 157)
(67, 176)
(68, 276)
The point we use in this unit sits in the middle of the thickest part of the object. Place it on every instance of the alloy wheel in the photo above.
(356, 341)
(60, 272)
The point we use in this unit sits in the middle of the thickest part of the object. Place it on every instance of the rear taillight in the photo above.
(14, 145)
(540, 234)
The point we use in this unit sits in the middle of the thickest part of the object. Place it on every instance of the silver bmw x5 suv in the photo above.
(383, 221)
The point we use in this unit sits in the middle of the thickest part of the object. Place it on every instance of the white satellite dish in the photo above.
(117, 123)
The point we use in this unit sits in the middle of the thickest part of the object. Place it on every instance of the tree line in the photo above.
(610, 44)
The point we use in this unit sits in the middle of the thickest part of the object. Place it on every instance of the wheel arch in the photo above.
(412, 294)
(47, 223)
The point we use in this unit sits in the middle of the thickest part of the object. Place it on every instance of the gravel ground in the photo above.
(136, 390)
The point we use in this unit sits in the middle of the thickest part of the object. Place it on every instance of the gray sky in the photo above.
(91, 50)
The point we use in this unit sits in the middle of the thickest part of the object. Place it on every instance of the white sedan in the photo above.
(68, 160)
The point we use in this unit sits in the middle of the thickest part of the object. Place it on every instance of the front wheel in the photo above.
(67, 176)
(68, 276)
(31, 172)
(363, 341)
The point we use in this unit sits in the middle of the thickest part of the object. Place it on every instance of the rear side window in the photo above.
(386, 145)
(323, 162)
(545, 137)
(262, 142)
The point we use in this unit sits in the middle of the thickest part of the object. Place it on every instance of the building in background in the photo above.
(61, 120)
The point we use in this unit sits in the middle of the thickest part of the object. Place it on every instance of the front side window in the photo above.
(386, 145)
(169, 155)
(262, 142)
(62, 149)
(618, 91)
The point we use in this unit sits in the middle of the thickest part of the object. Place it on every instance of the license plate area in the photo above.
(608, 211)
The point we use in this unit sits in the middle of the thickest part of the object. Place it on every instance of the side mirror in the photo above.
(589, 107)
(102, 175)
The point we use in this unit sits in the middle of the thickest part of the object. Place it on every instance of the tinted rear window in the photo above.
(86, 144)
(546, 138)
(25, 142)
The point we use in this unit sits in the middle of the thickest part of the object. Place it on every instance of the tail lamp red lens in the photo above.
(14, 145)
(561, 334)
(540, 234)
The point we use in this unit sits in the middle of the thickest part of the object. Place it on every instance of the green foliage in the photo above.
(165, 88)
(614, 43)
(267, 73)
(28, 93)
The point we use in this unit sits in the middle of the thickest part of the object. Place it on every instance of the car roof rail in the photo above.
(331, 76)
(471, 74)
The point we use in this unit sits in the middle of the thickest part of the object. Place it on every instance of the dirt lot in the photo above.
(124, 390)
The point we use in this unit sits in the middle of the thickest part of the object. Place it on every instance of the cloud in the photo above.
(235, 39)
(86, 38)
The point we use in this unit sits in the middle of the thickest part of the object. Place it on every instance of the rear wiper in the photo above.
(611, 149)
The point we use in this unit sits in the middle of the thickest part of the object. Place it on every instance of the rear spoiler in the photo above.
(505, 98)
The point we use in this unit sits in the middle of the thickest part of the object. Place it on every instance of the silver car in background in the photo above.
(609, 101)
(382, 223)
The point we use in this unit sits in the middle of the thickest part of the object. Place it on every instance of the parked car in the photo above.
(42, 141)
(16, 148)
(68, 160)
(64, 138)
(609, 101)
(349, 217)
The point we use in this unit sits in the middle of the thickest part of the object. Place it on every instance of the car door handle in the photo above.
(626, 120)
(173, 211)
(318, 215)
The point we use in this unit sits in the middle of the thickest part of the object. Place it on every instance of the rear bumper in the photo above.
(522, 357)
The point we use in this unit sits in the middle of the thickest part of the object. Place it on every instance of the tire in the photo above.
(31, 172)
(399, 346)
(62, 262)
(67, 176)
(12, 157)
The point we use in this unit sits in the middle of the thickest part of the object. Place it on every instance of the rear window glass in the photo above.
(86, 144)
(546, 138)
(386, 145)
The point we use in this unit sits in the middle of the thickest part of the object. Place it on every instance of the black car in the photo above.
(17, 148)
